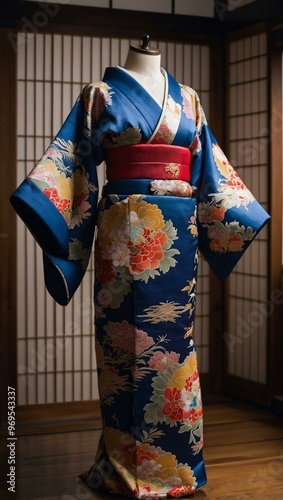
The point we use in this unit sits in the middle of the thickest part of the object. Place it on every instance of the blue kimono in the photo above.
(154, 216)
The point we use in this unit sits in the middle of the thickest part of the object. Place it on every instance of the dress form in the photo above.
(144, 65)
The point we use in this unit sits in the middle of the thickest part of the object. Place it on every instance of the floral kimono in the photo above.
(170, 193)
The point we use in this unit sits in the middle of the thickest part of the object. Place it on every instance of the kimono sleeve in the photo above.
(229, 217)
(57, 201)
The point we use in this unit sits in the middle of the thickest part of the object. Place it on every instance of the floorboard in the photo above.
(243, 452)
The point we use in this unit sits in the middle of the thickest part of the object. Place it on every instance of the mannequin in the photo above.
(144, 65)
(148, 227)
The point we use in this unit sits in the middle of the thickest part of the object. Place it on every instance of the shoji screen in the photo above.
(246, 335)
(56, 361)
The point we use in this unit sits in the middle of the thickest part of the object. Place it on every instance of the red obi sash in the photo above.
(148, 161)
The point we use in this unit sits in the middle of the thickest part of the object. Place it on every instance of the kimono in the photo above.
(171, 193)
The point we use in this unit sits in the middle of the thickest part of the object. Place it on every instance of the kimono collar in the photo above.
(132, 90)
(144, 103)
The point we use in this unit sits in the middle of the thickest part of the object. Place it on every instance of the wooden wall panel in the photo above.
(7, 220)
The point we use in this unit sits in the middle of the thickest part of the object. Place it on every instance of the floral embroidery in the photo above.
(164, 135)
(181, 491)
(62, 178)
(176, 404)
(62, 204)
(134, 239)
(232, 191)
(97, 97)
(104, 270)
(193, 228)
(111, 382)
(146, 361)
(131, 351)
(171, 187)
(77, 252)
(176, 398)
(126, 337)
(164, 311)
(152, 469)
(168, 127)
(189, 103)
(151, 239)
(131, 135)
(227, 237)
(195, 146)
(192, 107)
(191, 289)
(161, 361)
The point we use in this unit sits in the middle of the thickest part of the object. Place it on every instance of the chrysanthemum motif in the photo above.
(232, 191)
(164, 311)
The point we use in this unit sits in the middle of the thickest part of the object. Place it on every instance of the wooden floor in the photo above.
(243, 454)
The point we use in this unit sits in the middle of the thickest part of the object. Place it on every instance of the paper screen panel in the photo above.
(246, 335)
(56, 359)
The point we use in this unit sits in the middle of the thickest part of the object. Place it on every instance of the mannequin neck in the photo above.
(144, 64)
(146, 69)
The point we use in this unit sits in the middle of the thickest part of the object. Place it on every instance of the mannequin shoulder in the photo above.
(192, 105)
(95, 88)
(189, 92)
(98, 94)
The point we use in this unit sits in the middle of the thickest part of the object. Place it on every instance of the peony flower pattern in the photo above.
(160, 361)
(176, 398)
(232, 192)
(150, 240)
(128, 338)
(224, 236)
(134, 242)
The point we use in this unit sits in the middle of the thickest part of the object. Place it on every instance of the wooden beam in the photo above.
(33, 17)
(254, 12)
(216, 296)
(275, 226)
(8, 306)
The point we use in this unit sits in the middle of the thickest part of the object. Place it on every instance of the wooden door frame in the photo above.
(8, 295)
(275, 361)
(216, 299)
